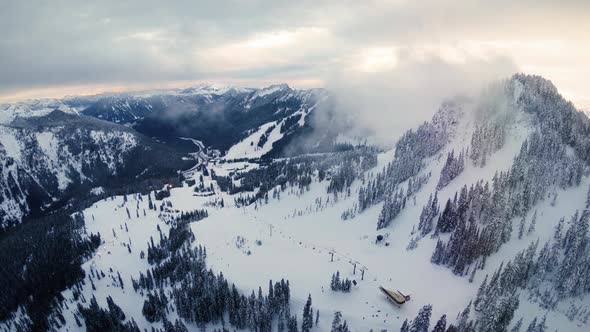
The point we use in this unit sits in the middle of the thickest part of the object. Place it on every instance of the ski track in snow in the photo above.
(248, 147)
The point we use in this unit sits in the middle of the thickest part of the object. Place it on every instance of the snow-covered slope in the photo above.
(46, 158)
(214, 89)
(520, 151)
(218, 115)
(43, 155)
(32, 108)
(262, 139)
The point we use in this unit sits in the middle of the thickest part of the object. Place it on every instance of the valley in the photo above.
(506, 171)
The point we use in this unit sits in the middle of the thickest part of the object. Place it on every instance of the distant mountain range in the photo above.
(52, 149)
(143, 209)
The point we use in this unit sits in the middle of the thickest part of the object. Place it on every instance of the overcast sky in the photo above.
(60, 47)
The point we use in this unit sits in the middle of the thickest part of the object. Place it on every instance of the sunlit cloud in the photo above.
(378, 59)
(112, 43)
(156, 35)
(280, 48)
(276, 39)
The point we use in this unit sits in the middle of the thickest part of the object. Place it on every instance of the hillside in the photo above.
(482, 213)
(85, 143)
(46, 160)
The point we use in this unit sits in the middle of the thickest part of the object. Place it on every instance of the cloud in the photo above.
(277, 50)
(388, 102)
(68, 43)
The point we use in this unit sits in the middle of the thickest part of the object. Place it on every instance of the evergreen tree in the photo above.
(452, 328)
(292, 325)
(532, 326)
(422, 321)
(405, 326)
(337, 321)
(517, 326)
(337, 324)
(542, 326)
(521, 226)
(533, 223)
(340, 285)
(462, 322)
(317, 317)
(451, 169)
(441, 325)
(115, 310)
(307, 318)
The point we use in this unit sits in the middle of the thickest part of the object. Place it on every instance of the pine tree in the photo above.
(405, 326)
(462, 321)
(452, 328)
(336, 322)
(438, 255)
(532, 326)
(115, 310)
(335, 284)
(422, 321)
(533, 223)
(345, 327)
(307, 319)
(542, 326)
(441, 325)
(317, 317)
(521, 227)
(292, 325)
(517, 326)
(120, 280)
(337, 325)
(472, 276)
(179, 326)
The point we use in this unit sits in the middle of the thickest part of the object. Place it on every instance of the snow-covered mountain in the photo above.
(221, 120)
(32, 108)
(45, 158)
(216, 114)
(214, 89)
(51, 157)
(480, 215)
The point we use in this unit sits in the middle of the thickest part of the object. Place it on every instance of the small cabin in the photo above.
(395, 296)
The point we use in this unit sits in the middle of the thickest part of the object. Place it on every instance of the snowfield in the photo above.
(300, 233)
(301, 238)
(109, 218)
(32, 108)
(249, 148)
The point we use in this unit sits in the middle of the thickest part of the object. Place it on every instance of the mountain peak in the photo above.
(535, 83)
(270, 90)
(31, 108)
(213, 88)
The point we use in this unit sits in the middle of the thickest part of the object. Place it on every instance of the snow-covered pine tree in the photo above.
(532, 326)
(441, 325)
(521, 227)
(405, 326)
(517, 326)
(292, 324)
(533, 224)
(451, 169)
(307, 318)
(422, 321)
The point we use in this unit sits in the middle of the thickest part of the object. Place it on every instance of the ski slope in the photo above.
(301, 238)
(249, 148)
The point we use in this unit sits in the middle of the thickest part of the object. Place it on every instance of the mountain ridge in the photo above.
(467, 212)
